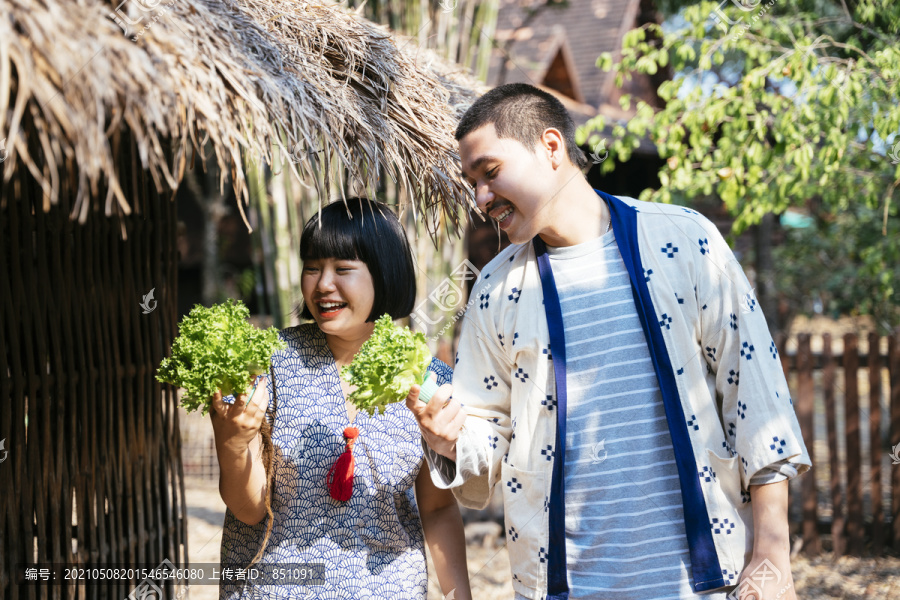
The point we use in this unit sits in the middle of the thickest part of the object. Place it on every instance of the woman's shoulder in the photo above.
(303, 338)
(304, 331)
(306, 348)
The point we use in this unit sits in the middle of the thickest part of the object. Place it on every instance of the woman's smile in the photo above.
(330, 309)
(340, 294)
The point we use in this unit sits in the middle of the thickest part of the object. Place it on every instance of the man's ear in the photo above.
(554, 145)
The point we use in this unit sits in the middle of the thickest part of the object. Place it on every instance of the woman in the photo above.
(357, 265)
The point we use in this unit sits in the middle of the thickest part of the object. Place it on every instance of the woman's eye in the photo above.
(492, 173)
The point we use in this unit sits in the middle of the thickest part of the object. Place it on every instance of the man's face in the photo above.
(512, 183)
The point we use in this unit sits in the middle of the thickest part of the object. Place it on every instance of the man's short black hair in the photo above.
(522, 112)
(368, 231)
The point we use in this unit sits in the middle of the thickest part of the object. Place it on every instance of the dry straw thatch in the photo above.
(260, 80)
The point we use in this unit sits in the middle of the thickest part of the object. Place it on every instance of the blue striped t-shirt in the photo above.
(625, 535)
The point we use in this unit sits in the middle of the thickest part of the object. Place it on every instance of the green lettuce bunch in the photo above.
(386, 367)
(217, 349)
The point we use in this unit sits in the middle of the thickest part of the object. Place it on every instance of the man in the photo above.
(618, 380)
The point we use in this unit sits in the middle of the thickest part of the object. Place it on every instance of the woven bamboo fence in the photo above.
(93, 474)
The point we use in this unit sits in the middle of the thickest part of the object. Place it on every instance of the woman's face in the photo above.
(340, 295)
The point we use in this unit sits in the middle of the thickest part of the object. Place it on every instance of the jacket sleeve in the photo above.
(757, 412)
(481, 383)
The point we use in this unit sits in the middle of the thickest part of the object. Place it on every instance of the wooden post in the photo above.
(804, 410)
(838, 541)
(781, 345)
(875, 442)
(894, 366)
(854, 458)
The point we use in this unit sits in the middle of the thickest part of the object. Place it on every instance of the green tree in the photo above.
(776, 105)
(830, 264)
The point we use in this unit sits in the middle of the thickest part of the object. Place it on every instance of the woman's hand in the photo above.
(236, 425)
(242, 475)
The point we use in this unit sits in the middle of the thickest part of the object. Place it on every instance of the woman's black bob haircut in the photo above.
(368, 231)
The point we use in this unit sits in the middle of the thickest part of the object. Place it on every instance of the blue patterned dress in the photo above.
(372, 546)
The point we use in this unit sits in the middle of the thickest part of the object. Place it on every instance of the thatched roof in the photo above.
(310, 80)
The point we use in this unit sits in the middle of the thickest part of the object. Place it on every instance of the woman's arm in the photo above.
(242, 477)
(443, 529)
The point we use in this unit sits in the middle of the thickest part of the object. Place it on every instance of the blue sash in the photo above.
(557, 584)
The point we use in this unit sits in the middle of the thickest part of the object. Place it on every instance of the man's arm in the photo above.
(769, 568)
(755, 406)
(468, 461)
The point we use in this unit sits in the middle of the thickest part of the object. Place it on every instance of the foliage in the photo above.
(846, 264)
(391, 361)
(778, 105)
(217, 349)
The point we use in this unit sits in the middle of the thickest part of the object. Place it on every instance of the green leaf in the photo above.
(217, 349)
(387, 365)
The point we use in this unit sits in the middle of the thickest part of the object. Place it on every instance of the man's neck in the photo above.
(580, 215)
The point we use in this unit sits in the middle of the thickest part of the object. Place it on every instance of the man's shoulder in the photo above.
(653, 210)
(498, 269)
(659, 218)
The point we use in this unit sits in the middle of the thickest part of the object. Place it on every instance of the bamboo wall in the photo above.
(93, 471)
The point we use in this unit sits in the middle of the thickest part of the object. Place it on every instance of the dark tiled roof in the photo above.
(582, 30)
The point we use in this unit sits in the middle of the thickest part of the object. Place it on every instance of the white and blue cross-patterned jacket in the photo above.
(727, 402)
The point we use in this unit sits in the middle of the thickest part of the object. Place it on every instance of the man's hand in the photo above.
(440, 420)
(766, 578)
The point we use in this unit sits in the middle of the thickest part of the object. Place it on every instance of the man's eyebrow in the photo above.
(478, 162)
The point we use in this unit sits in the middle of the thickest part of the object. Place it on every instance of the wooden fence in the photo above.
(91, 470)
(842, 403)
(852, 493)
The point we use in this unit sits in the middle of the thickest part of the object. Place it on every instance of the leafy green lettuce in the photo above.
(217, 349)
(386, 367)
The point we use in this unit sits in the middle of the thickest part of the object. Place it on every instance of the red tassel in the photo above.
(340, 477)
